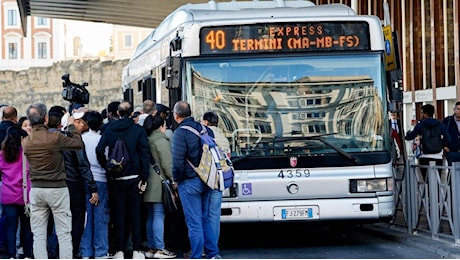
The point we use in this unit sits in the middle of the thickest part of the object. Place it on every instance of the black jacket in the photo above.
(449, 122)
(4, 125)
(136, 141)
(77, 167)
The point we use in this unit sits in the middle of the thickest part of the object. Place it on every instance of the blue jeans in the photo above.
(194, 195)
(155, 225)
(214, 211)
(13, 214)
(95, 239)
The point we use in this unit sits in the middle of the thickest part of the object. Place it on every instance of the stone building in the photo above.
(44, 84)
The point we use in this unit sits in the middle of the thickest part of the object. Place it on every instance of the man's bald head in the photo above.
(125, 109)
(148, 106)
(10, 114)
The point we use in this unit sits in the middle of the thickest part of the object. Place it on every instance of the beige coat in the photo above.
(160, 147)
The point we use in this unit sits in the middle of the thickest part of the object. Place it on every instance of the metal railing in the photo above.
(427, 199)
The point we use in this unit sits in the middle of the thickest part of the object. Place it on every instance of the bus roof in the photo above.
(213, 11)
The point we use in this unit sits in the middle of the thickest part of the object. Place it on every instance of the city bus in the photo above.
(302, 96)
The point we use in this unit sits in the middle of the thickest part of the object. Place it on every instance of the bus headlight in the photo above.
(371, 185)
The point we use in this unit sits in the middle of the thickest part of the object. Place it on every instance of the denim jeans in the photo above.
(42, 200)
(155, 225)
(13, 214)
(95, 239)
(212, 241)
(194, 195)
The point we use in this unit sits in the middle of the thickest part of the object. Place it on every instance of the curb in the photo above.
(424, 241)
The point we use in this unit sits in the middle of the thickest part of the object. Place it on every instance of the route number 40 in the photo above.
(216, 39)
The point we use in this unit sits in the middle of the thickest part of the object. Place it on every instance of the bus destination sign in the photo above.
(285, 37)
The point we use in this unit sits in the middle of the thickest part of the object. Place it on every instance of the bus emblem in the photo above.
(293, 161)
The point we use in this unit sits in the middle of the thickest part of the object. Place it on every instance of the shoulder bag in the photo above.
(24, 185)
(169, 195)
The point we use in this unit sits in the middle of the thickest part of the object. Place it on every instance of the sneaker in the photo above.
(107, 256)
(216, 257)
(149, 253)
(164, 254)
(119, 255)
(138, 255)
(189, 253)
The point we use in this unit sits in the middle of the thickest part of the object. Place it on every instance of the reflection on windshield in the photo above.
(275, 105)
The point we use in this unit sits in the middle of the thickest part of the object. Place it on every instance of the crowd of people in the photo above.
(58, 200)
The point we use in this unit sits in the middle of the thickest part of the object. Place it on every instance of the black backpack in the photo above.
(118, 160)
(431, 139)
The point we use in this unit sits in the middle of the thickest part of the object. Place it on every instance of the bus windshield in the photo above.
(295, 105)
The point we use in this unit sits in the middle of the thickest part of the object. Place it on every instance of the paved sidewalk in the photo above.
(443, 247)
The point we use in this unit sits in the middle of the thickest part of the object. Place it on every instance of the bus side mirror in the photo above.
(172, 72)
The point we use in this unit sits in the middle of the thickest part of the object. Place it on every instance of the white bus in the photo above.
(302, 97)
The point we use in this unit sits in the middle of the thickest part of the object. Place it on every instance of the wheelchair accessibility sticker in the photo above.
(246, 189)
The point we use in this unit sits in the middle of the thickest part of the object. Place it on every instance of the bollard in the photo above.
(455, 186)
(411, 187)
(433, 200)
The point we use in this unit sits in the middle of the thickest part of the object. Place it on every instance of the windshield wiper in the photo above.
(339, 150)
(319, 137)
(251, 153)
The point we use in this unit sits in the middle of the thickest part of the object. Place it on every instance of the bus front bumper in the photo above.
(309, 210)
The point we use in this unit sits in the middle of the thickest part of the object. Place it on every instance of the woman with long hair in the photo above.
(12, 192)
(24, 124)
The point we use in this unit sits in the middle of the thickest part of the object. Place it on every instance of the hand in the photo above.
(94, 198)
(70, 121)
(142, 186)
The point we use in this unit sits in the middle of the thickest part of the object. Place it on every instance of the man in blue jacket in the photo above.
(127, 190)
(193, 192)
(453, 125)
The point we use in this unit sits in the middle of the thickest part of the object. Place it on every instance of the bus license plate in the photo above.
(299, 213)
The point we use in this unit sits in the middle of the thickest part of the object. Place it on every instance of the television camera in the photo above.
(75, 93)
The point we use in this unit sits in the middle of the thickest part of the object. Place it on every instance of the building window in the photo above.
(128, 41)
(12, 50)
(41, 21)
(12, 18)
(42, 50)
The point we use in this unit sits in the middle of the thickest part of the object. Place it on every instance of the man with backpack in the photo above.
(193, 192)
(453, 125)
(434, 138)
(129, 182)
